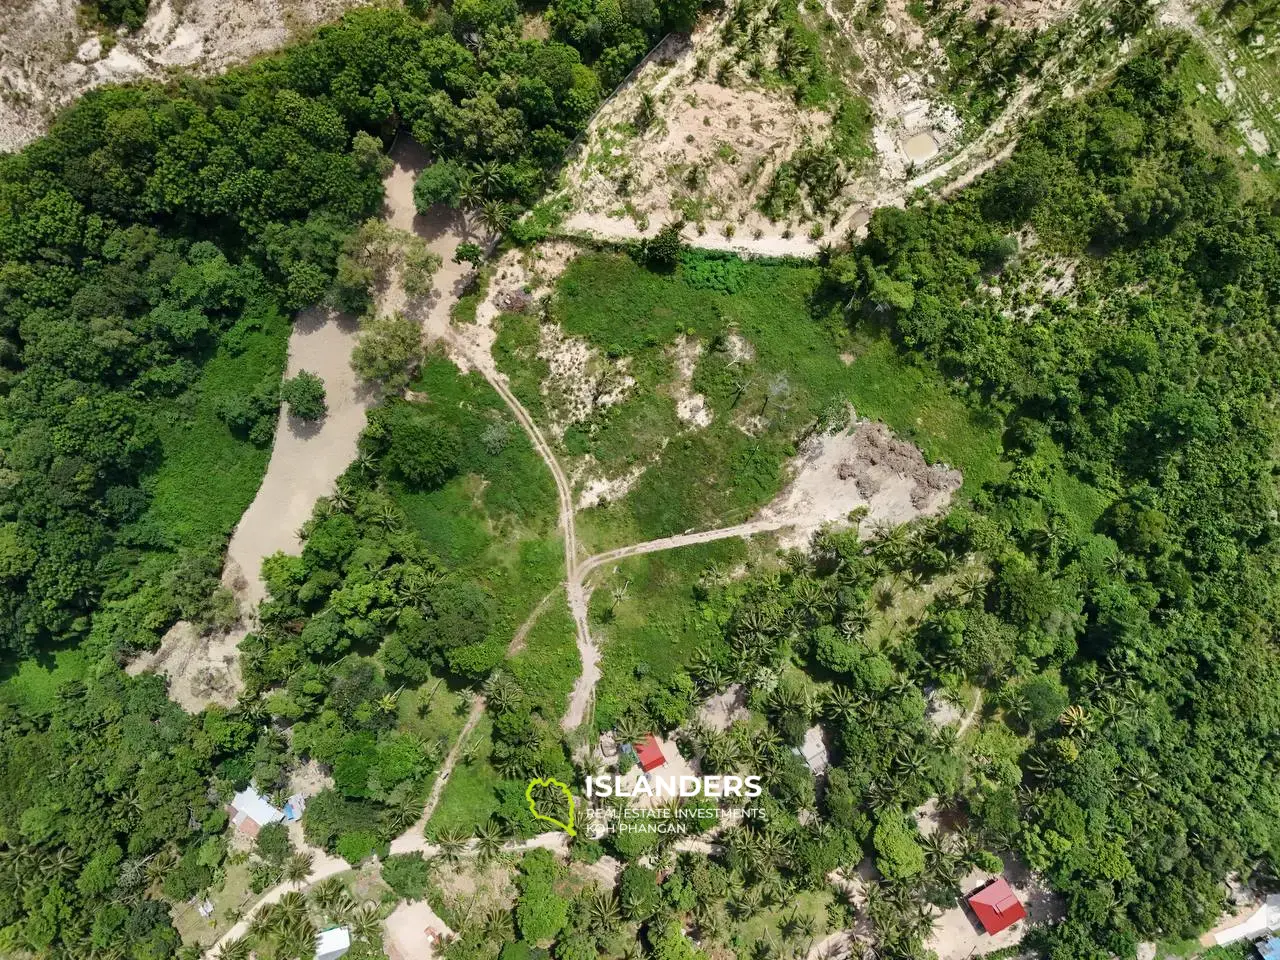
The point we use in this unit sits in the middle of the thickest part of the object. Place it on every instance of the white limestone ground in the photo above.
(49, 54)
(863, 465)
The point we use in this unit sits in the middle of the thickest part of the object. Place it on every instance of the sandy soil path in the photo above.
(306, 458)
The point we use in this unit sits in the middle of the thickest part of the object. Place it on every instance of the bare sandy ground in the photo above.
(49, 56)
(721, 710)
(406, 927)
(202, 668)
(864, 465)
(306, 458)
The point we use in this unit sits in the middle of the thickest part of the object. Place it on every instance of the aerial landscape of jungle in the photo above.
(416, 414)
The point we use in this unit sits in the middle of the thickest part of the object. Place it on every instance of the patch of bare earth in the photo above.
(863, 465)
(720, 711)
(579, 380)
(691, 407)
(202, 668)
(50, 54)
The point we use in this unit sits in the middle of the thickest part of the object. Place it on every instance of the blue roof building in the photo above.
(1269, 949)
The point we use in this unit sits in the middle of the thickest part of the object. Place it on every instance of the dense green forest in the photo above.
(1122, 623)
(1154, 382)
(152, 231)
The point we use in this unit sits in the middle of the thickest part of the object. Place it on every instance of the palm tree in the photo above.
(298, 867)
(366, 925)
(747, 903)
(470, 195)
(237, 949)
(604, 912)
(489, 840)
(855, 623)
(628, 729)
(297, 938)
(971, 588)
(326, 893)
(405, 812)
(292, 905)
(841, 704)
(1076, 721)
(452, 842)
(646, 112)
(503, 692)
(618, 594)
(488, 176)
(496, 216)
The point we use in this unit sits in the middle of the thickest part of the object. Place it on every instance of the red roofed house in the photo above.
(997, 906)
(649, 753)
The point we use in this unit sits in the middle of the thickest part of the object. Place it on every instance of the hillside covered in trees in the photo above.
(1111, 590)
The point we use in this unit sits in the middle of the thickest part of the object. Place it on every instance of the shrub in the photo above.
(273, 843)
(305, 396)
(439, 183)
(898, 856)
(407, 875)
(468, 252)
(424, 450)
(357, 846)
(389, 348)
(662, 251)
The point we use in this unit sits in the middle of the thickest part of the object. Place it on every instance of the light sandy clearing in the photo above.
(865, 465)
(202, 668)
(306, 458)
(904, 72)
(406, 927)
(691, 407)
(48, 57)
(720, 711)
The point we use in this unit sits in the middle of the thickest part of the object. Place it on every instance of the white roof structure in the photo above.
(1262, 920)
(332, 943)
(249, 804)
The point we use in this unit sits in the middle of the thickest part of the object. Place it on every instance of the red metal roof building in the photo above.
(997, 906)
(649, 753)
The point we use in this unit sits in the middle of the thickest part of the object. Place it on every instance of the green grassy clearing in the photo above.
(209, 476)
(548, 664)
(32, 686)
(469, 798)
(917, 405)
(770, 367)
(764, 924)
(649, 634)
(229, 898)
(1213, 123)
(494, 522)
(432, 711)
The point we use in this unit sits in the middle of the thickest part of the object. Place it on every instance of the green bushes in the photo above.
(389, 350)
(305, 396)
(423, 450)
(407, 874)
(121, 13)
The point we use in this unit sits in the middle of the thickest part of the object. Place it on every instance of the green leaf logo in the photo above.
(533, 803)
